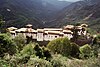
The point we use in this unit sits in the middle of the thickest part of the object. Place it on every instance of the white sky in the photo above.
(70, 0)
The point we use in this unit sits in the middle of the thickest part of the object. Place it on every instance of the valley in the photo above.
(36, 12)
(85, 11)
(49, 33)
(54, 13)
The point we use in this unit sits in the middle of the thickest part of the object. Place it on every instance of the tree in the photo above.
(60, 46)
(75, 32)
(1, 23)
(97, 39)
(59, 61)
(91, 31)
(86, 51)
(6, 45)
(24, 55)
(20, 41)
(38, 51)
(46, 53)
(37, 62)
(75, 50)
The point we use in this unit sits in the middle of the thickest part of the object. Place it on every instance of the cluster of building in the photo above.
(47, 34)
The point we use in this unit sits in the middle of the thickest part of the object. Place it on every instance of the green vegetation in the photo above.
(75, 50)
(36, 62)
(20, 41)
(91, 31)
(97, 40)
(1, 24)
(61, 52)
(64, 46)
(6, 45)
(85, 51)
(59, 61)
(60, 46)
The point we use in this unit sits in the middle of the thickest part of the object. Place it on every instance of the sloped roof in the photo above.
(12, 28)
(12, 32)
(84, 25)
(67, 31)
(53, 29)
(21, 30)
(29, 25)
(69, 27)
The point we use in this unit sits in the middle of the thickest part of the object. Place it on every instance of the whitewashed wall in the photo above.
(40, 36)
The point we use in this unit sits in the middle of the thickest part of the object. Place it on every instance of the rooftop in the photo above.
(29, 25)
(53, 29)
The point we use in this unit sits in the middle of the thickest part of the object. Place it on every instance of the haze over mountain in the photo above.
(21, 12)
(59, 4)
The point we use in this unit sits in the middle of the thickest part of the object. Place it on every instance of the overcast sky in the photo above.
(71, 0)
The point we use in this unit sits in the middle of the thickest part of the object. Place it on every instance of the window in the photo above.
(55, 36)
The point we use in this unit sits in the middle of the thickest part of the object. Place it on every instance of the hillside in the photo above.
(17, 13)
(20, 12)
(82, 11)
(58, 4)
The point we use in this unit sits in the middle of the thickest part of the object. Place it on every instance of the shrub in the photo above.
(36, 62)
(20, 41)
(38, 51)
(59, 61)
(3, 63)
(42, 52)
(25, 53)
(23, 59)
(6, 45)
(60, 46)
(28, 49)
(75, 50)
(91, 31)
(97, 40)
(91, 62)
(46, 53)
(86, 51)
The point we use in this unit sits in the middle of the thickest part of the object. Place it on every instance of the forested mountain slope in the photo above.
(87, 11)
(21, 12)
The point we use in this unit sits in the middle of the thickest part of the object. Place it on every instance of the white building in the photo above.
(47, 34)
(40, 34)
(68, 33)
